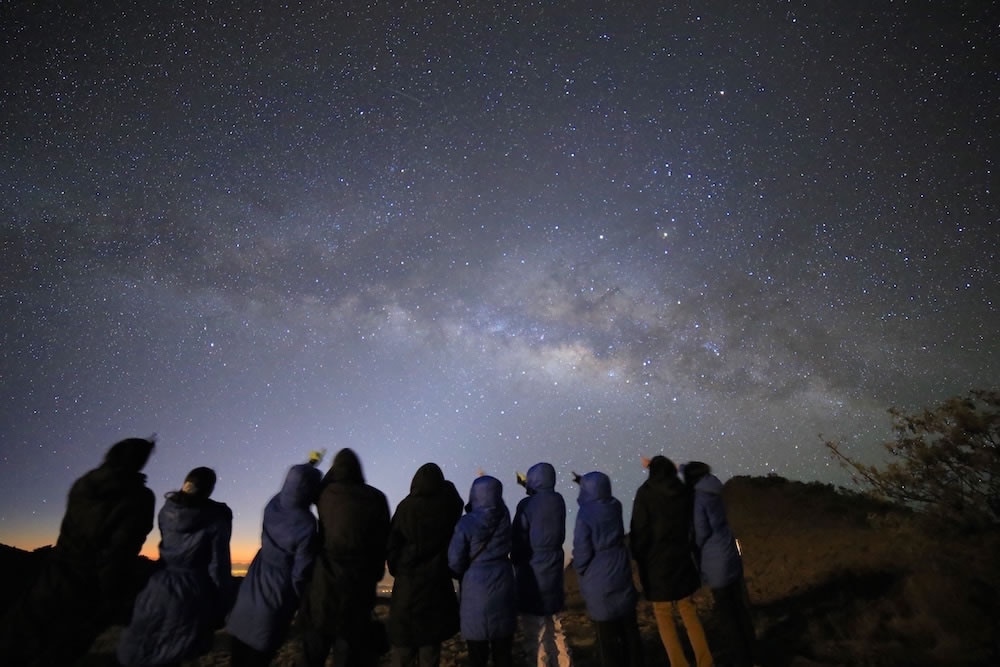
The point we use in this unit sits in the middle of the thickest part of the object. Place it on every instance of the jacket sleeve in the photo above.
(305, 554)
(702, 521)
(131, 522)
(583, 546)
(458, 552)
(638, 528)
(520, 536)
(220, 567)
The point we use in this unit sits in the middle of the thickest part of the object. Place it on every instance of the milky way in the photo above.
(486, 236)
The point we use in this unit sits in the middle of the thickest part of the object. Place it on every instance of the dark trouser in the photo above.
(246, 656)
(502, 651)
(619, 642)
(732, 609)
(416, 656)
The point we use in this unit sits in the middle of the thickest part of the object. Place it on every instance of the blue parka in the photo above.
(718, 557)
(272, 588)
(185, 600)
(600, 556)
(537, 552)
(479, 557)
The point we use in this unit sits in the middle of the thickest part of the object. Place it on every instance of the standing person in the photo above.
(720, 563)
(539, 531)
(339, 604)
(423, 609)
(479, 557)
(662, 544)
(91, 576)
(186, 600)
(272, 589)
(602, 563)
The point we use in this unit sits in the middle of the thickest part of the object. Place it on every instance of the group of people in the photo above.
(323, 574)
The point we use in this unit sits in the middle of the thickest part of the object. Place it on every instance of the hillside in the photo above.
(834, 579)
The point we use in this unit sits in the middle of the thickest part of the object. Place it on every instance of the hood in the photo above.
(486, 492)
(427, 479)
(540, 477)
(594, 486)
(130, 454)
(301, 486)
(346, 469)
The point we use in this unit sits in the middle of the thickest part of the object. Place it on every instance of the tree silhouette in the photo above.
(944, 461)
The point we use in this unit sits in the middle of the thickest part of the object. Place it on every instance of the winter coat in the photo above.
(424, 608)
(186, 599)
(479, 556)
(274, 583)
(353, 531)
(718, 558)
(92, 575)
(539, 531)
(600, 557)
(661, 535)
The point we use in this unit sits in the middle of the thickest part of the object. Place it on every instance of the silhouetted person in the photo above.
(90, 577)
(479, 557)
(539, 530)
(272, 590)
(340, 600)
(602, 563)
(186, 599)
(424, 608)
(720, 563)
(662, 545)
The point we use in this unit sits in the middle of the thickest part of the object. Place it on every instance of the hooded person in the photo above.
(720, 563)
(602, 563)
(90, 578)
(186, 599)
(338, 607)
(661, 541)
(539, 530)
(423, 609)
(479, 557)
(276, 579)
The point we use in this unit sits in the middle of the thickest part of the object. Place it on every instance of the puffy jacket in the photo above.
(661, 535)
(479, 556)
(177, 612)
(600, 556)
(271, 591)
(718, 557)
(539, 531)
(424, 608)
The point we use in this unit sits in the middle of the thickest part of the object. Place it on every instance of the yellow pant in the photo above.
(664, 613)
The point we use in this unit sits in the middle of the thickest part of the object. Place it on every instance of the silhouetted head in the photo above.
(694, 471)
(540, 477)
(660, 466)
(199, 483)
(346, 468)
(427, 479)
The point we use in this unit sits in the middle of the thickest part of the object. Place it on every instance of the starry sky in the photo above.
(486, 235)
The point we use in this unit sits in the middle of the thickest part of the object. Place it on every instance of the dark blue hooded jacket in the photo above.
(177, 612)
(270, 593)
(479, 556)
(600, 556)
(539, 533)
(718, 557)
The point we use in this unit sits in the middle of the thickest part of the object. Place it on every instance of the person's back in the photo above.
(479, 557)
(539, 530)
(187, 598)
(662, 545)
(353, 530)
(274, 583)
(91, 575)
(424, 607)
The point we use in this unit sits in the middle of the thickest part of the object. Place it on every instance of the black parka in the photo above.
(424, 607)
(661, 536)
(353, 531)
(92, 575)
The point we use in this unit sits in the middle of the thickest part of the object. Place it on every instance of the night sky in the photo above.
(486, 236)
